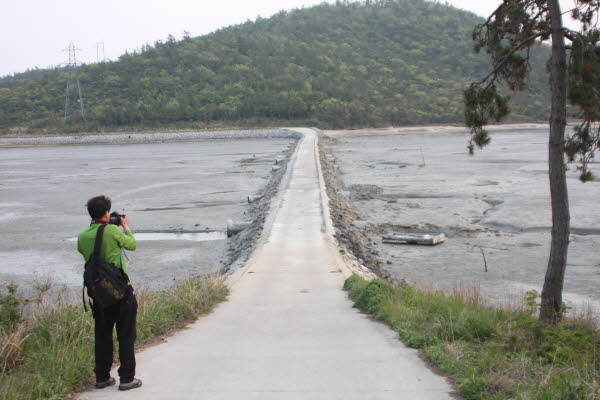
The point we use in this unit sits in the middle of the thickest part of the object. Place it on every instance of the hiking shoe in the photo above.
(102, 385)
(135, 383)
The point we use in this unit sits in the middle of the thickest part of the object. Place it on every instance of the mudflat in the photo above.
(496, 201)
(179, 196)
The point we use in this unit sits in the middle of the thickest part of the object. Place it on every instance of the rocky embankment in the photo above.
(355, 246)
(241, 245)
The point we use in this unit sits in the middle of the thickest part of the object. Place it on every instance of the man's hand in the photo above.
(125, 222)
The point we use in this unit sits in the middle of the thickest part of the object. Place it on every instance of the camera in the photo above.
(115, 218)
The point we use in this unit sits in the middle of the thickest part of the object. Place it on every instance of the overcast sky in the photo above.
(34, 32)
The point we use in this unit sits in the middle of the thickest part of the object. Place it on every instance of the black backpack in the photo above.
(106, 284)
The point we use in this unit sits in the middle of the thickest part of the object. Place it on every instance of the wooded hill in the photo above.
(350, 64)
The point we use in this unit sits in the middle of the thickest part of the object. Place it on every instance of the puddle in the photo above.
(197, 204)
(493, 202)
(485, 183)
(585, 231)
(191, 236)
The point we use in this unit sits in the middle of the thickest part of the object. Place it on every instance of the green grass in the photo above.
(489, 353)
(54, 348)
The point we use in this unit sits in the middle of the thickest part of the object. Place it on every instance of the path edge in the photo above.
(235, 275)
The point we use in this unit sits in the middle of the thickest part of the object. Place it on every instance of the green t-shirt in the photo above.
(113, 240)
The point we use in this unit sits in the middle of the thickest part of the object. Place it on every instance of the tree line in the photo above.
(349, 64)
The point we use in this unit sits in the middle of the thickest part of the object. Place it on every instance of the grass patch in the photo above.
(50, 354)
(489, 353)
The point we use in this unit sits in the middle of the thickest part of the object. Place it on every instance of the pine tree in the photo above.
(507, 36)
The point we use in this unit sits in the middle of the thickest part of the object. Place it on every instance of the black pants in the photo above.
(123, 314)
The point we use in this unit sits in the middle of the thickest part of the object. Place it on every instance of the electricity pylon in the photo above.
(100, 46)
(73, 80)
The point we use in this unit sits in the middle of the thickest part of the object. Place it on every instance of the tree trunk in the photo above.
(553, 284)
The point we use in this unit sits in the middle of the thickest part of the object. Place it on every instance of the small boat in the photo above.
(415, 238)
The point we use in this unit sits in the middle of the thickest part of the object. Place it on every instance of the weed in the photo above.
(10, 347)
(531, 302)
(10, 308)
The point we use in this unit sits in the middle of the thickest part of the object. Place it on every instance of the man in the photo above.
(124, 312)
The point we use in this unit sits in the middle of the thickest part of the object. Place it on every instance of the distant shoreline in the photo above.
(236, 133)
(140, 138)
(404, 130)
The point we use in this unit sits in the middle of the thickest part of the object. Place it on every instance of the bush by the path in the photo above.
(490, 353)
(50, 354)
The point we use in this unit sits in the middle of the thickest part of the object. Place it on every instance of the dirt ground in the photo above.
(494, 204)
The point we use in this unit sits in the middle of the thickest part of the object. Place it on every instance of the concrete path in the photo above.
(288, 330)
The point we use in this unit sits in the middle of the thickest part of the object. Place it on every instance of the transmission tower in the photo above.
(100, 49)
(72, 81)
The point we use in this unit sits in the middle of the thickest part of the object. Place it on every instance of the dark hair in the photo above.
(98, 206)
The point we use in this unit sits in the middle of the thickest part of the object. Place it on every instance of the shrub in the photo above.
(10, 308)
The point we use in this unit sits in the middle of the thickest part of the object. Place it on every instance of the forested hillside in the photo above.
(351, 64)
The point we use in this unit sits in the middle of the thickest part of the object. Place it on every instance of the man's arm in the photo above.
(126, 239)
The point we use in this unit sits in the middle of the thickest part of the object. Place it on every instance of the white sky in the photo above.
(33, 32)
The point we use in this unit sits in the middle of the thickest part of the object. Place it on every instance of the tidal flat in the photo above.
(495, 203)
(179, 196)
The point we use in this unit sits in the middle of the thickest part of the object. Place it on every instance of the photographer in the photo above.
(123, 312)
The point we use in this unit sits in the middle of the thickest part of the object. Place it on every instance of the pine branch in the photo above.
(505, 59)
(573, 35)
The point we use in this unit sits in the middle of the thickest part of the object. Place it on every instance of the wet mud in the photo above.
(174, 188)
(495, 203)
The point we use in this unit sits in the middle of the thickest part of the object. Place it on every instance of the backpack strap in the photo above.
(98, 243)
(83, 297)
(96, 253)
